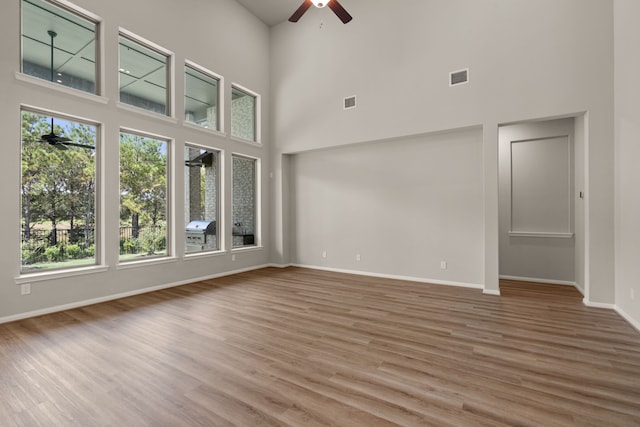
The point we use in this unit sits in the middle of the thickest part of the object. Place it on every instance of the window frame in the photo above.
(99, 263)
(170, 73)
(257, 244)
(220, 216)
(220, 99)
(99, 67)
(257, 113)
(170, 254)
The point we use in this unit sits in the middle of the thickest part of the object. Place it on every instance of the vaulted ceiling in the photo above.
(271, 12)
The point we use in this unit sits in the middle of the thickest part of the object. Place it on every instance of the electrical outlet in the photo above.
(443, 265)
(25, 289)
(358, 257)
(233, 257)
(324, 254)
(633, 294)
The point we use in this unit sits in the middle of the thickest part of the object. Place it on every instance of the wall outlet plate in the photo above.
(25, 289)
(443, 265)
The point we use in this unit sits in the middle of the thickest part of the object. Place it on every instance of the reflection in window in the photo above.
(143, 197)
(201, 169)
(59, 45)
(244, 201)
(143, 77)
(201, 98)
(58, 193)
(243, 115)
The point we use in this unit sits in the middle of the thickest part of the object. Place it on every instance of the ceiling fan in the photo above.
(333, 5)
(51, 138)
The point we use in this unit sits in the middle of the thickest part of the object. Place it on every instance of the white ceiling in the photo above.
(272, 12)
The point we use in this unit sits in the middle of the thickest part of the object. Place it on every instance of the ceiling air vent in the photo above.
(350, 102)
(459, 77)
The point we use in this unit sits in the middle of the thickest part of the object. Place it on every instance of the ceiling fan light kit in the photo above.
(334, 5)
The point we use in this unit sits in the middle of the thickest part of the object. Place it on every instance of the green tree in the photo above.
(143, 181)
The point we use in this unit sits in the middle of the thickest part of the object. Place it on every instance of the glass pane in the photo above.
(143, 77)
(143, 197)
(58, 193)
(201, 99)
(243, 115)
(201, 199)
(72, 61)
(244, 201)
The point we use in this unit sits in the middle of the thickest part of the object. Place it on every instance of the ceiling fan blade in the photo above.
(306, 4)
(73, 144)
(340, 11)
(59, 146)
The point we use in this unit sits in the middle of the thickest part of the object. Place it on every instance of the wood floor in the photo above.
(295, 347)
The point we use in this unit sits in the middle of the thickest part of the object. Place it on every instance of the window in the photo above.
(59, 45)
(144, 76)
(245, 202)
(143, 197)
(58, 193)
(202, 189)
(201, 98)
(243, 114)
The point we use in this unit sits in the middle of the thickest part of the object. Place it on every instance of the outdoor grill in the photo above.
(200, 234)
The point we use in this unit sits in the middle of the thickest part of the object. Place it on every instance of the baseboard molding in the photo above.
(534, 280)
(625, 316)
(107, 298)
(280, 265)
(495, 292)
(391, 276)
(588, 303)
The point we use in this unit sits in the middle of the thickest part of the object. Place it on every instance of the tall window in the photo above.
(201, 98)
(143, 197)
(58, 193)
(201, 172)
(59, 45)
(243, 114)
(144, 76)
(244, 201)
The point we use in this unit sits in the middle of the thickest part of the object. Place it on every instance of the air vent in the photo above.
(350, 102)
(459, 77)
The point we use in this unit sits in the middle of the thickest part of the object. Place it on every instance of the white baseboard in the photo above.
(534, 280)
(625, 316)
(495, 292)
(588, 303)
(391, 276)
(280, 265)
(92, 301)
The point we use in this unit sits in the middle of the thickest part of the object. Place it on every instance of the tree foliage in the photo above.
(57, 184)
(143, 181)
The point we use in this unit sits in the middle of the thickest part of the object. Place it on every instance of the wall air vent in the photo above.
(350, 102)
(459, 77)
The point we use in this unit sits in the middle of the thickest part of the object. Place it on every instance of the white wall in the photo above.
(535, 257)
(403, 205)
(217, 34)
(627, 119)
(527, 59)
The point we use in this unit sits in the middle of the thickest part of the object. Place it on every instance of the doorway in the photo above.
(541, 194)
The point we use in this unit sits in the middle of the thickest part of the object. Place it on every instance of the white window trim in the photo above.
(42, 276)
(171, 202)
(220, 224)
(221, 95)
(100, 67)
(171, 87)
(258, 113)
(258, 226)
(99, 229)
